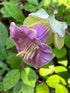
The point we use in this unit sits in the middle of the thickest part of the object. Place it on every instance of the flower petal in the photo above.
(58, 41)
(40, 13)
(43, 56)
(43, 32)
(42, 53)
(21, 36)
(57, 26)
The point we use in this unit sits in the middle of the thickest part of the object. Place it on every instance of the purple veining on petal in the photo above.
(43, 32)
(37, 53)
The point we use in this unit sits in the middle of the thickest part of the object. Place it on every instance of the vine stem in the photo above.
(1, 4)
(67, 33)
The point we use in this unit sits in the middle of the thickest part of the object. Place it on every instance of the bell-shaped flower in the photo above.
(29, 45)
(56, 28)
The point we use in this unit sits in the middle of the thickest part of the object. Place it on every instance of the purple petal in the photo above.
(43, 57)
(36, 54)
(21, 36)
(43, 32)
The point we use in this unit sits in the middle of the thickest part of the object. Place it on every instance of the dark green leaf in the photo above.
(22, 88)
(60, 53)
(3, 33)
(67, 41)
(9, 43)
(30, 7)
(5, 12)
(14, 61)
(3, 65)
(11, 78)
(3, 38)
(14, 11)
(2, 71)
(34, 2)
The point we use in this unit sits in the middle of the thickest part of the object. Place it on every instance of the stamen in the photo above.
(22, 52)
(29, 52)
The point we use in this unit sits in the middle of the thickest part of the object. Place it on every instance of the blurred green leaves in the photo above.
(9, 43)
(53, 80)
(34, 2)
(47, 69)
(11, 78)
(22, 88)
(5, 13)
(61, 89)
(3, 38)
(30, 7)
(67, 41)
(42, 88)
(14, 62)
(14, 11)
(29, 76)
(60, 53)
(55, 75)
(3, 33)
(62, 71)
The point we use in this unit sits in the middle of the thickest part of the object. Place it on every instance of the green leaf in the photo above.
(46, 70)
(60, 53)
(2, 71)
(9, 43)
(47, 2)
(58, 41)
(61, 89)
(40, 5)
(11, 78)
(68, 81)
(29, 7)
(14, 1)
(14, 11)
(53, 80)
(65, 2)
(64, 62)
(1, 86)
(14, 61)
(3, 33)
(3, 38)
(9, 91)
(22, 88)
(34, 2)
(3, 65)
(42, 88)
(67, 41)
(29, 77)
(5, 12)
(68, 3)
(62, 71)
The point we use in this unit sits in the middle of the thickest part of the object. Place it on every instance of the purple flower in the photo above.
(56, 28)
(29, 44)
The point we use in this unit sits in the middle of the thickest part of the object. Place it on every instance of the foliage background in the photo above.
(18, 77)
